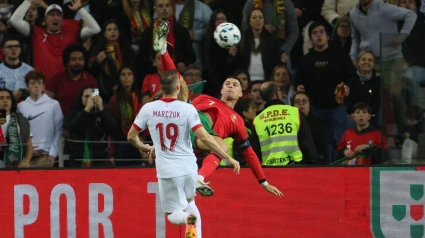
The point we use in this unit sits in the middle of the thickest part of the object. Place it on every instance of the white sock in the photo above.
(164, 49)
(193, 209)
(178, 217)
(201, 178)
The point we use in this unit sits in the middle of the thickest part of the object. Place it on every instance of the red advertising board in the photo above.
(317, 202)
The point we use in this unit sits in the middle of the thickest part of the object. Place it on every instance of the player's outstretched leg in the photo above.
(160, 36)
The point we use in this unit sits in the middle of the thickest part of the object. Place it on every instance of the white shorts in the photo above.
(174, 192)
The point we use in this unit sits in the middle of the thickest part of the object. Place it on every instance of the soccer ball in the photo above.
(227, 35)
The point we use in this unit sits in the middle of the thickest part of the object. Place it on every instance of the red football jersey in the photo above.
(227, 123)
(48, 48)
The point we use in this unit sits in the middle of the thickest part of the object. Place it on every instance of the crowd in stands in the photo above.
(82, 69)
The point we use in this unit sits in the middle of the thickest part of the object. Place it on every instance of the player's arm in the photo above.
(209, 141)
(133, 138)
(138, 125)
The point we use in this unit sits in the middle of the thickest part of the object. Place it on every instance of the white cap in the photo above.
(53, 7)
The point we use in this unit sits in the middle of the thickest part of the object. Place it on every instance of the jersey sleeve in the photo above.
(145, 86)
(140, 123)
(193, 118)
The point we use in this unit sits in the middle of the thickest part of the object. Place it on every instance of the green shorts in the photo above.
(207, 125)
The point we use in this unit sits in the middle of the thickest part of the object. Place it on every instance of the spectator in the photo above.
(192, 75)
(279, 20)
(318, 129)
(290, 141)
(254, 94)
(369, 88)
(218, 62)
(414, 127)
(45, 117)
(112, 52)
(194, 15)
(356, 142)
(245, 107)
(140, 16)
(15, 132)
(320, 73)
(59, 33)
(336, 10)
(12, 70)
(341, 35)
(377, 30)
(64, 86)
(413, 52)
(125, 105)
(180, 44)
(90, 121)
(243, 76)
(283, 80)
(151, 88)
(259, 49)
(382, 18)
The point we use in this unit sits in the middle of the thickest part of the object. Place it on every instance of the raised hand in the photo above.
(75, 5)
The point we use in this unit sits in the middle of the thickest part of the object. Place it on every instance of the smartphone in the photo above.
(3, 113)
(94, 92)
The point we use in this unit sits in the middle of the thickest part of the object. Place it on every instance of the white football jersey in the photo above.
(169, 122)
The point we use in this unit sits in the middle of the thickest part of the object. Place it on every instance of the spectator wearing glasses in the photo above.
(318, 129)
(12, 70)
(192, 75)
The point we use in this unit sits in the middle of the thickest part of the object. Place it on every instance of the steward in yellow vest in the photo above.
(283, 131)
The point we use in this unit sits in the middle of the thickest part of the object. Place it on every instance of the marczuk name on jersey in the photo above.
(166, 114)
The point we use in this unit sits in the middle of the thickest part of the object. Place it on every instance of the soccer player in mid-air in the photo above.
(169, 122)
(217, 116)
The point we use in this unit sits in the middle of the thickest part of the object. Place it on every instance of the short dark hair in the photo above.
(169, 80)
(414, 112)
(242, 105)
(34, 74)
(10, 37)
(363, 106)
(316, 24)
(268, 92)
(74, 47)
(232, 77)
(252, 83)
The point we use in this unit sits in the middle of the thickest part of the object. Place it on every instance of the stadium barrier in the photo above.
(318, 202)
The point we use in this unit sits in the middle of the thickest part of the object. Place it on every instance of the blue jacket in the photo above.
(380, 18)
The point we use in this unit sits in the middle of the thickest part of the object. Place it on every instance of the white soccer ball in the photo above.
(227, 35)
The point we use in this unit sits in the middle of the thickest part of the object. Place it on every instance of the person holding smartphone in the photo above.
(15, 135)
(89, 121)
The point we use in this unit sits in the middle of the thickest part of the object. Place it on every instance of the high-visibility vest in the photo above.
(277, 129)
